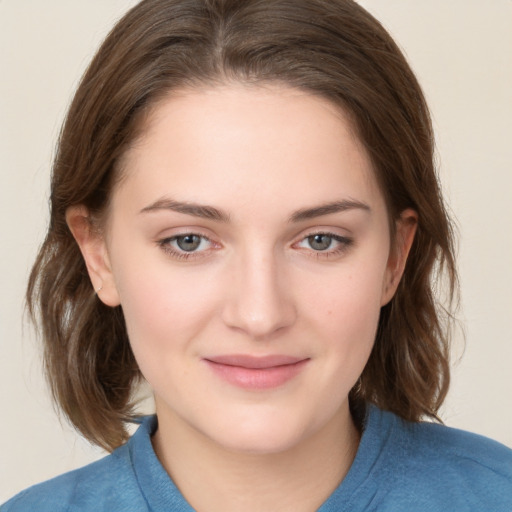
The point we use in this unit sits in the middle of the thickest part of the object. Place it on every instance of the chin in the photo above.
(260, 437)
(261, 445)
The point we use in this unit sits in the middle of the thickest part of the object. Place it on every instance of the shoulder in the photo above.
(106, 485)
(450, 466)
(463, 447)
(88, 487)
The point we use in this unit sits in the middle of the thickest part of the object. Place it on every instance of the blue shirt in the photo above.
(399, 466)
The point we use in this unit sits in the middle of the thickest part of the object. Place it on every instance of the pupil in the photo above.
(188, 242)
(320, 242)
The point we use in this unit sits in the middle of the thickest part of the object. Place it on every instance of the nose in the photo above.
(259, 300)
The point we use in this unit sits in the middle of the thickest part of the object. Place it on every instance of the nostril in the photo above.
(259, 316)
(258, 300)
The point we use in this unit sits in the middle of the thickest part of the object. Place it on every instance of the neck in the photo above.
(298, 479)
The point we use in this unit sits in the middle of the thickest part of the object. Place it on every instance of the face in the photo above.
(248, 245)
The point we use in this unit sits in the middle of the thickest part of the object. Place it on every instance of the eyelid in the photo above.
(334, 231)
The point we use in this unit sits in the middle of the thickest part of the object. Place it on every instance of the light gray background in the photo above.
(462, 53)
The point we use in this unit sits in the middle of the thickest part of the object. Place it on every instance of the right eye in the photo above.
(186, 245)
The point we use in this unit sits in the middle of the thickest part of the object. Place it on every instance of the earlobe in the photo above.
(94, 251)
(405, 231)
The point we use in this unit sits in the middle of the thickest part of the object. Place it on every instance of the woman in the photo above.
(245, 213)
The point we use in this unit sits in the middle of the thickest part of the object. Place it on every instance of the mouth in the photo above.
(256, 373)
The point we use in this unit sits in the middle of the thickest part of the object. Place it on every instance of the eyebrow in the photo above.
(328, 209)
(212, 213)
(196, 210)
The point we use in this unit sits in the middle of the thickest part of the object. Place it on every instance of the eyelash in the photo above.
(344, 243)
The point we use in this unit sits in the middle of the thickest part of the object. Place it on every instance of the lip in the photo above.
(256, 372)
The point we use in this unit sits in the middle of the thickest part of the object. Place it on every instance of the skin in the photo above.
(256, 284)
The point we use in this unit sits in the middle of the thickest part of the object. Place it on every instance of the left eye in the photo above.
(320, 242)
(323, 242)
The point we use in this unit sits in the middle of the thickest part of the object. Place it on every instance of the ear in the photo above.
(405, 229)
(94, 251)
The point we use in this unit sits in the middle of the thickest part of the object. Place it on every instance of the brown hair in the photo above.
(331, 48)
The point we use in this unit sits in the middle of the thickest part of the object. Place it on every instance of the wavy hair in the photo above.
(330, 48)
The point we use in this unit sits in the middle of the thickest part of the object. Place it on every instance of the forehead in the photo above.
(239, 142)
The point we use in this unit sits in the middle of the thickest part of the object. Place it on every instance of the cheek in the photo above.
(346, 315)
(164, 307)
(350, 302)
